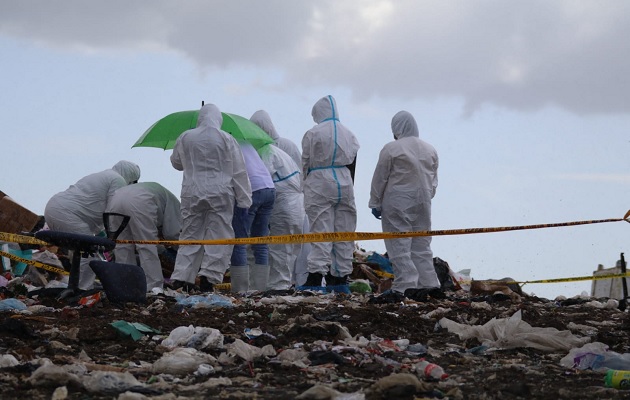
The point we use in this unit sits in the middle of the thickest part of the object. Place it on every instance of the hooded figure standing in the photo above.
(404, 182)
(155, 214)
(288, 213)
(262, 119)
(329, 152)
(214, 179)
(79, 209)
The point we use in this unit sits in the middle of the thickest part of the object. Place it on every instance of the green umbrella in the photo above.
(165, 131)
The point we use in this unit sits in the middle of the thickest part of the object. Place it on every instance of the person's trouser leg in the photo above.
(321, 216)
(188, 259)
(216, 257)
(259, 272)
(345, 220)
(421, 253)
(399, 252)
(300, 269)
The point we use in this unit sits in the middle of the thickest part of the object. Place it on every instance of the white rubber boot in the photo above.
(239, 277)
(259, 276)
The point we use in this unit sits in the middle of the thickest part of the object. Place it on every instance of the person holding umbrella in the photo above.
(215, 179)
(404, 182)
(329, 152)
(79, 209)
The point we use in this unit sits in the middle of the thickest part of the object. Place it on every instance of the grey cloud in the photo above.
(519, 55)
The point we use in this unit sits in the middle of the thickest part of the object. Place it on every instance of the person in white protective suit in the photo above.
(214, 179)
(288, 213)
(329, 152)
(404, 182)
(79, 209)
(154, 215)
(283, 143)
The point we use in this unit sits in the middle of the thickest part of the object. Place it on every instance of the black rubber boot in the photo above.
(332, 280)
(314, 279)
(204, 285)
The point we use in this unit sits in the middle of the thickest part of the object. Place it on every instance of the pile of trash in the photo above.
(485, 340)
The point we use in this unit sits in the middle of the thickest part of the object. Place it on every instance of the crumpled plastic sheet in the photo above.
(248, 352)
(53, 375)
(196, 337)
(513, 332)
(109, 381)
(597, 357)
(182, 361)
(8, 360)
(211, 300)
(12, 304)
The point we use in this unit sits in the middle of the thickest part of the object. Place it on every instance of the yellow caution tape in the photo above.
(356, 236)
(581, 278)
(14, 238)
(223, 286)
(329, 236)
(34, 263)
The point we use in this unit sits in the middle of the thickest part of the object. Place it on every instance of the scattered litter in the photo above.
(134, 329)
(513, 332)
(11, 305)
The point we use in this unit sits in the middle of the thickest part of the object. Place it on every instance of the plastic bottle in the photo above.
(430, 370)
(617, 379)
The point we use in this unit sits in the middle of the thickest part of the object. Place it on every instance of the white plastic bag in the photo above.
(513, 332)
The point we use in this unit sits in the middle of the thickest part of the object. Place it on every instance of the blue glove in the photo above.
(376, 213)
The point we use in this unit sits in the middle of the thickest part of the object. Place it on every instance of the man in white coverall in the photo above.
(288, 213)
(404, 182)
(214, 179)
(283, 143)
(329, 150)
(79, 209)
(153, 210)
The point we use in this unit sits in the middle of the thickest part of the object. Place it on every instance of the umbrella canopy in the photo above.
(165, 131)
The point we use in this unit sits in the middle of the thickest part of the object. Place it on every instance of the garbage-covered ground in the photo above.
(304, 346)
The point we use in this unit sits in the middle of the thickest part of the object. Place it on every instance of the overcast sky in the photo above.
(527, 104)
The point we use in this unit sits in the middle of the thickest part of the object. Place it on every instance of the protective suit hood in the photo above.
(404, 125)
(324, 109)
(210, 116)
(263, 120)
(128, 170)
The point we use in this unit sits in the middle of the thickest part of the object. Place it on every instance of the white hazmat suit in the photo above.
(288, 213)
(327, 149)
(262, 119)
(404, 182)
(153, 209)
(79, 209)
(214, 179)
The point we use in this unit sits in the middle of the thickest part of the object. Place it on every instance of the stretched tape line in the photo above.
(34, 263)
(330, 236)
(14, 238)
(354, 236)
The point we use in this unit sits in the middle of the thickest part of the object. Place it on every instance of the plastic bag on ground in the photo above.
(12, 304)
(513, 332)
(195, 337)
(182, 361)
(248, 352)
(107, 382)
(597, 357)
(211, 300)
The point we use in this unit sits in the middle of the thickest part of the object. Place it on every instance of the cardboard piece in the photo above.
(14, 218)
